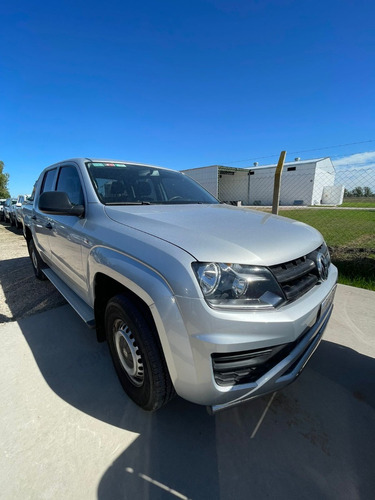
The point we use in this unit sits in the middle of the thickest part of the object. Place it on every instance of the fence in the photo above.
(340, 203)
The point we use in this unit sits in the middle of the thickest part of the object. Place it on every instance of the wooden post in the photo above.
(277, 182)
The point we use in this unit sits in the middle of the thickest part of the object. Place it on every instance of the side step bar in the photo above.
(81, 308)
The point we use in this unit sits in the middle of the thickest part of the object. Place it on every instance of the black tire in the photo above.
(137, 355)
(36, 261)
(12, 223)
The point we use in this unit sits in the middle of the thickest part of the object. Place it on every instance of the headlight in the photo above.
(235, 286)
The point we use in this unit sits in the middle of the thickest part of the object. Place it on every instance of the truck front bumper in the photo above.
(233, 357)
(289, 368)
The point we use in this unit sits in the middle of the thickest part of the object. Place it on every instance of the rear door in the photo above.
(42, 222)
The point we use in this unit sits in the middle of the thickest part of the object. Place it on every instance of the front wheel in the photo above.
(137, 356)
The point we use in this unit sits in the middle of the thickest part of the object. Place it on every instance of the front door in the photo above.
(67, 232)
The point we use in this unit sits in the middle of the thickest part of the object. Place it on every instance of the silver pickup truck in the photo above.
(216, 303)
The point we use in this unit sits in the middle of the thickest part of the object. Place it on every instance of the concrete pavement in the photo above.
(68, 431)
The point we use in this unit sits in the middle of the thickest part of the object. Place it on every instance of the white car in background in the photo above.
(8, 209)
(2, 203)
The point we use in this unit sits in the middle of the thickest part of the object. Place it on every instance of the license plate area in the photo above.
(325, 305)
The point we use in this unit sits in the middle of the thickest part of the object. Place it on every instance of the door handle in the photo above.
(49, 225)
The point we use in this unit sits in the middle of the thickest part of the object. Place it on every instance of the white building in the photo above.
(307, 182)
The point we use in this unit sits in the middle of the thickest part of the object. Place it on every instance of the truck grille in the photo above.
(298, 276)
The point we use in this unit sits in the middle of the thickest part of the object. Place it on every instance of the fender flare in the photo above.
(153, 289)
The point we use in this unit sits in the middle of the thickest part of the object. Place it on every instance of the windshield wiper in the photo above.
(128, 203)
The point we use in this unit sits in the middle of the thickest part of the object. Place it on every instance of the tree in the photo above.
(357, 191)
(367, 191)
(4, 178)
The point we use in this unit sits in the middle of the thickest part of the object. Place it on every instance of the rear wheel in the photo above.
(36, 260)
(137, 355)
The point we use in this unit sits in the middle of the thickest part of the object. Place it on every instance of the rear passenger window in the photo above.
(70, 183)
(48, 180)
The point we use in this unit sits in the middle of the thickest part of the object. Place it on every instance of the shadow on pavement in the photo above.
(24, 294)
(348, 369)
(12, 229)
(315, 441)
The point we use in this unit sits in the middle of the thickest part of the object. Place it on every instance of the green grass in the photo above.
(349, 204)
(354, 277)
(362, 202)
(340, 228)
(351, 236)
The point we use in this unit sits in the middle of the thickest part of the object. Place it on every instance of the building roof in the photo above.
(233, 169)
(298, 162)
(219, 167)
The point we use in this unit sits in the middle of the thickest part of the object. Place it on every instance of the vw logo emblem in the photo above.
(322, 264)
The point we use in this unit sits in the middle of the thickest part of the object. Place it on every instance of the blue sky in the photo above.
(184, 83)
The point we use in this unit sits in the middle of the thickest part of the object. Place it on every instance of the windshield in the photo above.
(128, 184)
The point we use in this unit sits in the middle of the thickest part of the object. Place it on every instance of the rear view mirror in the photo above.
(58, 203)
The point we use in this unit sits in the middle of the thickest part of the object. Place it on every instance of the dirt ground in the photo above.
(21, 294)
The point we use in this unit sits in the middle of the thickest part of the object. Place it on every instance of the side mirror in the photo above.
(58, 203)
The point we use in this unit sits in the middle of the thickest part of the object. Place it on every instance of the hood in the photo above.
(222, 233)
